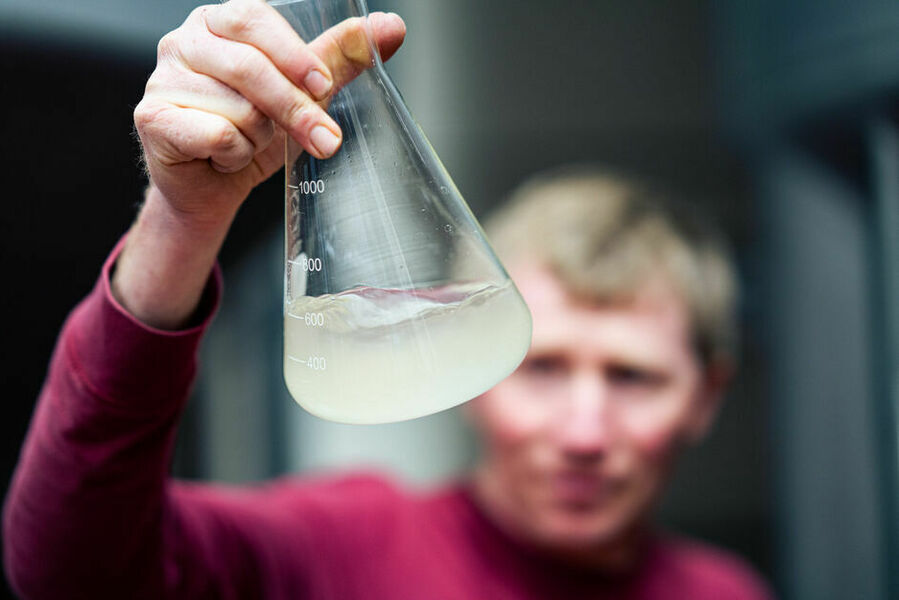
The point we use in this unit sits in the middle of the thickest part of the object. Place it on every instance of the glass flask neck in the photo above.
(311, 18)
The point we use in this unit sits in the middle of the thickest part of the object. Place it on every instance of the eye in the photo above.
(544, 366)
(633, 376)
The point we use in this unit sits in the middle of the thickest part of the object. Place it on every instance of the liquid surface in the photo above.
(373, 356)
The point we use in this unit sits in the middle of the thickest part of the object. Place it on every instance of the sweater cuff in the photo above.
(128, 363)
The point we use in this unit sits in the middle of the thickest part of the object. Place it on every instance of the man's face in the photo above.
(580, 438)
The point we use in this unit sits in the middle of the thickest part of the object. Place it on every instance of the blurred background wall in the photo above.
(777, 118)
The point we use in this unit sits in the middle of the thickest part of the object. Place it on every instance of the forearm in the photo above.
(85, 507)
(165, 264)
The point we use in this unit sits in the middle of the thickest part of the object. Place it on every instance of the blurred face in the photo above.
(579, 440)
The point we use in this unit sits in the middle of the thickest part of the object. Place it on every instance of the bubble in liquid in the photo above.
(448, 228)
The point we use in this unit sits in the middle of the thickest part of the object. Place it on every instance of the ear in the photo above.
(715, 378)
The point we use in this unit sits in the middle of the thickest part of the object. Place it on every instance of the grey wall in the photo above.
(505, 88)
(123, 27)
(829, 530)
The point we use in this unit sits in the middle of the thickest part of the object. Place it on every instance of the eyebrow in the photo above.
(622, 357)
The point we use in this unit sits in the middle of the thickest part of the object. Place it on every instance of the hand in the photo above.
(228, 84)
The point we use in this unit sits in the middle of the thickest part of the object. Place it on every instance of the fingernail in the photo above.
(324, 140)
(317, 84)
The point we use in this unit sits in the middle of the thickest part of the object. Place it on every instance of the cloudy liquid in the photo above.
(373, 356)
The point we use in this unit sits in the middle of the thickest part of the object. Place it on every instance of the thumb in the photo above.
(346, 49)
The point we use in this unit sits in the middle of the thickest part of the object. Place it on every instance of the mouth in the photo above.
(580, 489)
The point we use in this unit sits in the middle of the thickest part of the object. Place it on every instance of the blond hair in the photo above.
(605, 236)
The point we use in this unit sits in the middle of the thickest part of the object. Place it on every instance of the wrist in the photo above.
(211, 222)
(168, 256)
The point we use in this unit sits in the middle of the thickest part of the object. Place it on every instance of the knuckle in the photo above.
(237, 17)
(199, 13)
(159, 81)
(303, 60)
(141, 115)
(167, 44)
(302, 114)
(171, 42)
(224, 137)
(254, 120)
(145, 115)
(266, 135)
(256, 126)
(243, 67)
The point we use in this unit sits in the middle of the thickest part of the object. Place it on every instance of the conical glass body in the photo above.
(395, 306)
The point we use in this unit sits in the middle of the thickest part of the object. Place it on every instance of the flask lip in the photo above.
(311, 18)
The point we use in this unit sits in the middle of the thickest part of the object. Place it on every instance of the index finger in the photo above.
(256, 23)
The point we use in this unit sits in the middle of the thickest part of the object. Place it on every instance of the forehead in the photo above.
(652, 325)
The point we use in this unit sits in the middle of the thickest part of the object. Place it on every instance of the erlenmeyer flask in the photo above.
(395, 306)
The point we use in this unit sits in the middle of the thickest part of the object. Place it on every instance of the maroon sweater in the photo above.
(92, 513)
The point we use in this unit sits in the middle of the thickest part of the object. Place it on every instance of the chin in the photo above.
(578, 529)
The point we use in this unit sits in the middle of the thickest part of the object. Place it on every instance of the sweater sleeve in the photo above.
(85, 512)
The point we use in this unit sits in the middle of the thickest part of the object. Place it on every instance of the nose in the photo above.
(586, 428)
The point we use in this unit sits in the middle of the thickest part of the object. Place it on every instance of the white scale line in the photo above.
(294, 359)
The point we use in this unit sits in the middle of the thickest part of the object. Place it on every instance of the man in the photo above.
(631, 349)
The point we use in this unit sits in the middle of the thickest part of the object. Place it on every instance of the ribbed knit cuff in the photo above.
(127, 363)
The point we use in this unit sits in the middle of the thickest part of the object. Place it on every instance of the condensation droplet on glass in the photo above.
(448, 228)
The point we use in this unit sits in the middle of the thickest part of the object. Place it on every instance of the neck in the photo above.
(620, 554)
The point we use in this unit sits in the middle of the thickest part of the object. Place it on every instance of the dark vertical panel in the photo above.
(829, 531)
(70, 186)
(884, 153)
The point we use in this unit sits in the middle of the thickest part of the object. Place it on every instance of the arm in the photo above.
(90, 511)
(85, 503)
